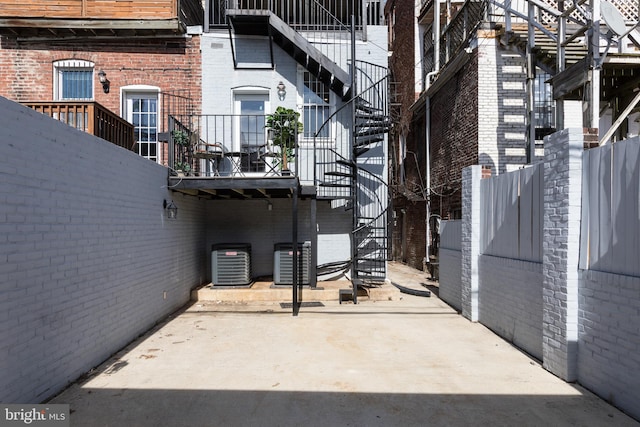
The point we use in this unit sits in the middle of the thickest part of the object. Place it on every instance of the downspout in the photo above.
(427, 140)
(427, 125)
(436, 38)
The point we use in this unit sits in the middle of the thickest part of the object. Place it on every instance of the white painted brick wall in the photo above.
(501, 106)
(471, 177)
(510, 301)
(85, 252)
(582, 324)
(250, 221)
(561, 245)
(609, 350)
(219, 78)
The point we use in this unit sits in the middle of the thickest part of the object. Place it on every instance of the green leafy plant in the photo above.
(180, 137)
(183, 166)
(284, 126)
(182, 141)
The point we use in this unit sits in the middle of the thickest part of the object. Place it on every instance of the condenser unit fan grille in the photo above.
(283, 263)
(231, 264)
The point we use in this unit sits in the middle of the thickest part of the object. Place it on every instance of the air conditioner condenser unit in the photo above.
(283, 263)
(231, 264)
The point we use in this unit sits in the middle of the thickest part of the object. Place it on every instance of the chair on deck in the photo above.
(213, 153)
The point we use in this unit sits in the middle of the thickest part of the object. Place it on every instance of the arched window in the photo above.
(73, 79)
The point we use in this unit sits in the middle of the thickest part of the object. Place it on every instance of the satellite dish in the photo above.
(613, 18)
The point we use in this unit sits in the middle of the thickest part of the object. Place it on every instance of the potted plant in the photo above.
(183, 144)
(284, 127)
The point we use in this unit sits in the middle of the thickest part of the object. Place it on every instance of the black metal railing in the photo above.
(461, 27)
(428, 61)
(191, 12)
(229, 145)
(303, 15)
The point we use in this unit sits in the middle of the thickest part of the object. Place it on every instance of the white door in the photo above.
(142, 112)
(250, 110)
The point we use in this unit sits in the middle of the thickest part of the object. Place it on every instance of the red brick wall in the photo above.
(408, 239)
(411, 233)
(26, 68)
(454, 138)
(402, 60)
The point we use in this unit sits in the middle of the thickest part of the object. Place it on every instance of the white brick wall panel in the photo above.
(227, 217)
(60, 256)
(610, 338)
(562, 190)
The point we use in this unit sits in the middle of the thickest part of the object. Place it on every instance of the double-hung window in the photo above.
(316, 107)
(73, 80)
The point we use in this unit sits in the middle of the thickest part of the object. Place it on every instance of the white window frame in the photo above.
(244, 93)
(71, 64)
(125, 95)
(332, 108)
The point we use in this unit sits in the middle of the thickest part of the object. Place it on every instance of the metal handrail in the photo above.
(302, 16)
(229, 145)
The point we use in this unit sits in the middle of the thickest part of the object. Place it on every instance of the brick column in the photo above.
(561, 241)
(471, 177)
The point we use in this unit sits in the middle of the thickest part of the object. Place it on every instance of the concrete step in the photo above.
(265, 291)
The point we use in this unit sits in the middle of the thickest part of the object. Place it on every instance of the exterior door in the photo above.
(142, 111)
(251, 134)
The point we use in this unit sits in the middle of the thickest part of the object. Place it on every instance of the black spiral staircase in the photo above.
(350, 171)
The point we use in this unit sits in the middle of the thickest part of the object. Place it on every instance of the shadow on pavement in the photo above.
(139, 407)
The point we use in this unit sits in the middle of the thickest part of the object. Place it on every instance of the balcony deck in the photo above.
(239, 187)
(96, 18)
(90, 117)
(228, 156)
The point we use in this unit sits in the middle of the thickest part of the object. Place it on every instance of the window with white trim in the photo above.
(316, 106)
(73, 80)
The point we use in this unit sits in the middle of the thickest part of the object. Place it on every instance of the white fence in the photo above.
(610, 237)
(511, 215)
(451, 235)
(450, 259)
(549, 261)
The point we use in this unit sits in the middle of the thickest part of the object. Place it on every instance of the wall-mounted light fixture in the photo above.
(282, 91)
(104, 81)
(171, 208)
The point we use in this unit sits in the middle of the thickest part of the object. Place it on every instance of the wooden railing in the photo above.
(84, 9)
(89, 117)
(163, 14)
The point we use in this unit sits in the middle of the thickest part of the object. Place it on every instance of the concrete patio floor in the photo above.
(408, 361)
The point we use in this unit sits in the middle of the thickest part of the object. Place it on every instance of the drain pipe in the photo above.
(427, 124)
(427, 140)
(436, 39)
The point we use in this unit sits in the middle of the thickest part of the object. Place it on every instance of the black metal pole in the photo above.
(354, 159)
(313, 272)
(294, 232)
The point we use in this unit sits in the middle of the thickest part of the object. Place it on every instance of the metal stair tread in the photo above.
(334, 185)
(341, 174)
